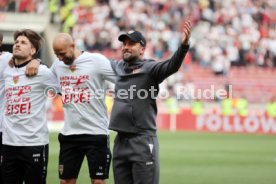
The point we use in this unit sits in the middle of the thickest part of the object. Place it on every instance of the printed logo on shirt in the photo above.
(17, 100)
(20, 92)
(74, 89)
(73, 68)
(78, 82)
(15, 79)
(68, 81)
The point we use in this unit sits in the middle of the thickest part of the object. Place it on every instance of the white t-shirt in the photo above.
(25, 121)
(82, 86)
(4, 60)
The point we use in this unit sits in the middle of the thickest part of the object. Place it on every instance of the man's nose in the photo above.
(126, 46)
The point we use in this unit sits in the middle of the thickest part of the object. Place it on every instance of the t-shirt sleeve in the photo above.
(105, 68)
(53, 68)
(49, 80)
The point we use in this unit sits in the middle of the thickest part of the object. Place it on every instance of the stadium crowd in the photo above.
(227, 33)
(230, 33)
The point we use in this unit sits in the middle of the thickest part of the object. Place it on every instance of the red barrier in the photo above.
(214, 122)
(210, 122)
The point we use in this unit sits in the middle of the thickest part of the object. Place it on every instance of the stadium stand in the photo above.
(233, 41)
(253, 82)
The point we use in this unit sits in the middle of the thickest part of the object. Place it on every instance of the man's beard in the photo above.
(129, 58)
(68, 60)
(19, 57)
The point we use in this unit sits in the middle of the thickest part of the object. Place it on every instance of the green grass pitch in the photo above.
(200, 158)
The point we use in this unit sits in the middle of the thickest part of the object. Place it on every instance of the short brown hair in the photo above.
(34, 38)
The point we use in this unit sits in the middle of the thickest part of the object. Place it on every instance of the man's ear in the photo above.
(142, 51)
(33, 51)
(73, 45)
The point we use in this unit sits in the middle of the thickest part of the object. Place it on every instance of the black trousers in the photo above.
(136, 159)
(74, 148)
(24, 163)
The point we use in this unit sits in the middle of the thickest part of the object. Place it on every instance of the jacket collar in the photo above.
(129, 67)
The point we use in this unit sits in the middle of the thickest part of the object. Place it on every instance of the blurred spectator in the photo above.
(12, 4)
(197, 107)
(227, 107)
(172, 102)
(53, 9)
(271, 107)
(242, 106)
(26, 6)
(23, 6)
(3, 5)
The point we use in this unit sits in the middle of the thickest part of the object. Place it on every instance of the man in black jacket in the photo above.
(136, 150)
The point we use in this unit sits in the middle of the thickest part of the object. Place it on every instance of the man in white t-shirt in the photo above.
(31, 70)
(25, 131)
(81, 76)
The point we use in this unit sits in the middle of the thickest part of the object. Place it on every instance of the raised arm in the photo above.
(161, 70)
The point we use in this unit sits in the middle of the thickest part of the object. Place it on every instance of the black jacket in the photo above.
(131, 114)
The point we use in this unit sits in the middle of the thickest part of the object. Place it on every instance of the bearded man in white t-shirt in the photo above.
(25, 131)
(82, 77)
(31, 70)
